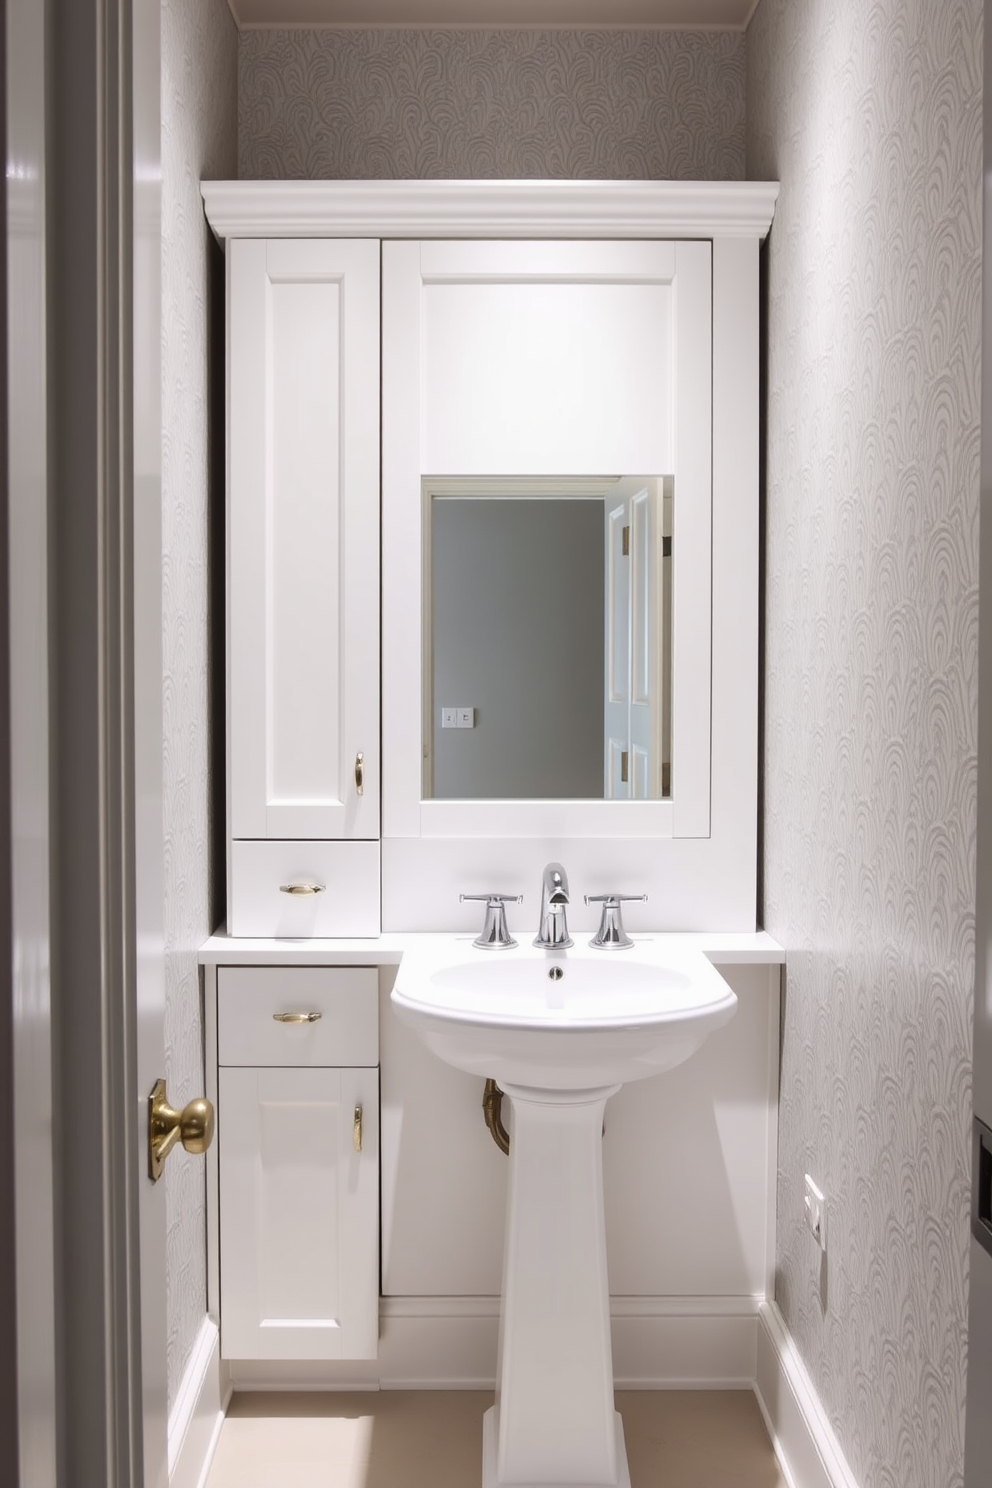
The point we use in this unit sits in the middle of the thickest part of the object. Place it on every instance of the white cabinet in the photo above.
(294, 1241)
(538, 329)
(303, 576)
(298, 1162)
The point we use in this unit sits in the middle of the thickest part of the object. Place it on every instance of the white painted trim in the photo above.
(450, 1343)
(274, 1375)
(438, 1307)
(774, 984)
(575, 25)
(198, 1413)
(489, 209)
(808, 1451)
(620, 1307)
(681, 1307)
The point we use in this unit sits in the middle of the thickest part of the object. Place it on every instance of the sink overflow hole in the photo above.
(556, 973)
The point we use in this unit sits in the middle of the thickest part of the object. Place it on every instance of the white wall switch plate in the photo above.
(466, 717)
(449, 718)
(815, 1213)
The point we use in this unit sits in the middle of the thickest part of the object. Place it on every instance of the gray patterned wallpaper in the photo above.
(479, 104)
(869, 112)
(199, 139)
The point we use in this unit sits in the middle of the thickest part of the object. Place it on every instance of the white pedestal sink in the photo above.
(560, 1031)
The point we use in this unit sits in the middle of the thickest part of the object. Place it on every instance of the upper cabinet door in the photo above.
(303, 525)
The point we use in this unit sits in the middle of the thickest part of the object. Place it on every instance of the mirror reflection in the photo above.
(547, 638)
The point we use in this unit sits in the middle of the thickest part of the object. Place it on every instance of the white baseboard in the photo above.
(438, 1343)
(805, 1444)
(198, 1413)
(449, 1343)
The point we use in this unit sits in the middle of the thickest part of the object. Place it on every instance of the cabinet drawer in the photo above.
(345, 1033)
(348, 904)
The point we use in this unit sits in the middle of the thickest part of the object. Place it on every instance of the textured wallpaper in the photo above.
(478, 104)
(870, 114)
(199, 139)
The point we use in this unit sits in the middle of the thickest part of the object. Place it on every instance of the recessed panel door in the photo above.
(304, 539)
(299, 1203)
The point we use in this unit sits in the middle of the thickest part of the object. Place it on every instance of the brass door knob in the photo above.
(193, 1126)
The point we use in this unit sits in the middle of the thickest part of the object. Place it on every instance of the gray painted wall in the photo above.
(199, 140)
(869, 112)
(518, 635)
(475, 103)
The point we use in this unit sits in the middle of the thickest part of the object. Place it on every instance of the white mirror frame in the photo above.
(408, 269)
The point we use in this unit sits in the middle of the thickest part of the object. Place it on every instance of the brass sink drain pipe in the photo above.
(492, 1106)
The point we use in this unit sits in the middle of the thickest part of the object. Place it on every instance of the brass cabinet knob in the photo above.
(193, 1126)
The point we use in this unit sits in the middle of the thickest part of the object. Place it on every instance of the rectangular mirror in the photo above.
(547, 660)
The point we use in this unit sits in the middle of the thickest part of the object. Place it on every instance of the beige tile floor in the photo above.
(433, 1439)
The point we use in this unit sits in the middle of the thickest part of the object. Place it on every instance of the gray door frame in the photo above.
(85, 773)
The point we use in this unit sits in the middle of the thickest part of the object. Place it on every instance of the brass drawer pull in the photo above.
(360, 773)
(356, 1131)
(297, 1017)
(301, 888)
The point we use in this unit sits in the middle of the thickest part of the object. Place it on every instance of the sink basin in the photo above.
(561, 1020)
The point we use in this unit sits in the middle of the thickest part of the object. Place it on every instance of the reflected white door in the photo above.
(635, 643)
(616, 710)
(646, 643)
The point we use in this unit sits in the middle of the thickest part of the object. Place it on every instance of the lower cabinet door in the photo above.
(299, 1213)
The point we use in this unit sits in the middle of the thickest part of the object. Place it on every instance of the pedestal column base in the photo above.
(554, 1421)
(490, 1479)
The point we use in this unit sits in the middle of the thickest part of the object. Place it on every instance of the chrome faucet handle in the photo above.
(495, 936)
(611, 936)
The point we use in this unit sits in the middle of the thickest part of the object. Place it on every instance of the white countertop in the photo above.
(724, 948)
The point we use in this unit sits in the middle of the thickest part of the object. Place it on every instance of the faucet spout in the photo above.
(553, 930)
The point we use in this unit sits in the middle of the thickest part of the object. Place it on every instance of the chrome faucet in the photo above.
(554, 896)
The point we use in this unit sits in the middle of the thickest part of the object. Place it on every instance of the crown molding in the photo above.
(489, 209)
